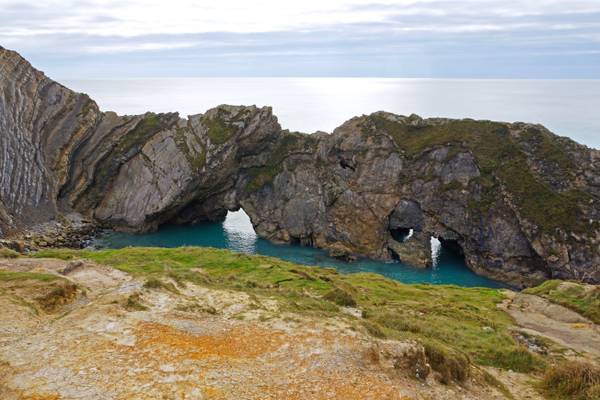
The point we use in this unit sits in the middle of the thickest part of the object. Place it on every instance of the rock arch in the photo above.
(523, 204)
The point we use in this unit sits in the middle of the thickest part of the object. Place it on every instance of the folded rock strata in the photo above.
(520, 203)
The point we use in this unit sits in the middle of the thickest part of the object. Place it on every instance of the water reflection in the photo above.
(240, 233)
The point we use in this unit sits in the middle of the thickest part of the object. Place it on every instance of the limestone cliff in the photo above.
(521, 203)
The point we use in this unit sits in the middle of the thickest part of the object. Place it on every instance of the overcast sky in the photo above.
(402, 38)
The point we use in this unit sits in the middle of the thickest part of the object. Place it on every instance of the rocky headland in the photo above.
(521, 204)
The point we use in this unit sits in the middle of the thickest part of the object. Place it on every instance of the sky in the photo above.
(71, 39)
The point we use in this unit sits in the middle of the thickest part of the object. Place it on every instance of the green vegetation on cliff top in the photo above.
(218, 130)
(502, 163)
(288, 143)
(456, 325)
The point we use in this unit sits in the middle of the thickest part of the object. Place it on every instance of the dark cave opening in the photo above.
(447, 251)
(401, 234)
(452, 247)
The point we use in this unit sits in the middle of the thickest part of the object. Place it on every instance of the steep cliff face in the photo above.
(520, 203)
(40, 121)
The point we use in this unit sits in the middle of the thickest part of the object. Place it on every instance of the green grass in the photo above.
(218, 130)
(9, 276)
(549, 149)
(455, 316)
(571, 295)
(457, 325)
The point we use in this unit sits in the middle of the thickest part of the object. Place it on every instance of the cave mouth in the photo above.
(402, 234)
(453, 247)
(446, 250)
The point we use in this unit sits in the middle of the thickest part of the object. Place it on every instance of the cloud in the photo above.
(67, 34)
(132, 47)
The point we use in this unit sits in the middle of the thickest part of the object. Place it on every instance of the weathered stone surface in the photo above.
(412, 252)
(521, 203)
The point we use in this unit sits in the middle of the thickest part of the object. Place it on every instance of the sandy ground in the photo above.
(196, 344)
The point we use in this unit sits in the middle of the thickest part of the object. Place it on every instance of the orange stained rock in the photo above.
(40, 397)
(238, 342)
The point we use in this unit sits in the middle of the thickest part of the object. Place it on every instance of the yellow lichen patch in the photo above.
(40, 397)
(580, 325)
(239, 342)
(212, 393)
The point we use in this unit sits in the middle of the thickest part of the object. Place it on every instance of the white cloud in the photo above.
(144, 17)
(132, 47)
(373, 35)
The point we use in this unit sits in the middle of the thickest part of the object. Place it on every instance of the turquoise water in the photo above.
(236, 234)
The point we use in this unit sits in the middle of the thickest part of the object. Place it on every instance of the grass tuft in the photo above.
(58, 297)
(134, 303)
(8, 253)
(572, 380)
(340, 297)
(154, 283)
(518, 359)
(451, 365)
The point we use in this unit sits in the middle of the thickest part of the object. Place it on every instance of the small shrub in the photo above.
(154, 283)
(133, 303)
(451, 365)
(58, 297)
(340, 297)
(195, 307)
(8, 253)
(572, 380)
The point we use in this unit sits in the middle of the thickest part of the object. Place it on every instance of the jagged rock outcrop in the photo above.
(522, 204)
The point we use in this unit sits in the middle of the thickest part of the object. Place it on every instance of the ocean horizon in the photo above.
(567, 107)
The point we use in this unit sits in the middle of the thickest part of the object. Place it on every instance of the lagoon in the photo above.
(236, 233)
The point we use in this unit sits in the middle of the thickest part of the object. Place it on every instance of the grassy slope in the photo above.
(455, 324)
(571, 295)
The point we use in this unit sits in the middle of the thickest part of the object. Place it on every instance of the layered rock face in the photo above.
(520, 203)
